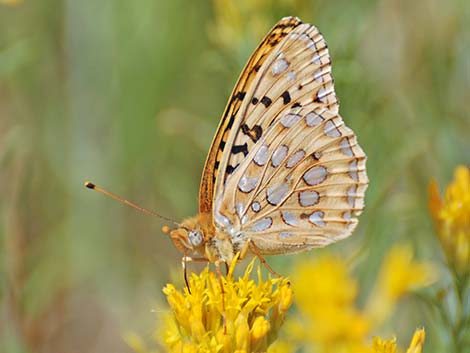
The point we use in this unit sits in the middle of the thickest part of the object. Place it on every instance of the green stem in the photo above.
(462, 319)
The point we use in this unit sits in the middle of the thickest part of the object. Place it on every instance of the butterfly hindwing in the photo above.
(301, 187)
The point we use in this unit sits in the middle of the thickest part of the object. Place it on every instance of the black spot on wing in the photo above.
(246, 129)
(286, 97)
(230, 122)
(231, 169)
(258, 132)
(240, 95)
(254, 101)
(266, 101)
(240, 149)
(255, 68)
(254, 133)
(296, 105)
(274, 42)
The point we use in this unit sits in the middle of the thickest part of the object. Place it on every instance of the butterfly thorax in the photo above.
(197, 237)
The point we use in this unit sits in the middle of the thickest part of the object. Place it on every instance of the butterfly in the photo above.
(284, 174)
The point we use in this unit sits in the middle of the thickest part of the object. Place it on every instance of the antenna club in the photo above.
(166, 229)
(89, 185)
(92, 186)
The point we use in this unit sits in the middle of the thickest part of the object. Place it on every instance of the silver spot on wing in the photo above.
(278, 156)
(262, 224)
(275, 194)
(317, 218)
(308, 198)
(315, 175)
(247, 183)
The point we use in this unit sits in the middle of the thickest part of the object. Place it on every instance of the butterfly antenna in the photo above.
(92, 186)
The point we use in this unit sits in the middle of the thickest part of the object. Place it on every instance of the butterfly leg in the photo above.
(222, 292)
(257, 252)
(244, 250)
(184, 262)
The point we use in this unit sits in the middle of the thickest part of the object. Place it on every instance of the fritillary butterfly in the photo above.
(284, 174)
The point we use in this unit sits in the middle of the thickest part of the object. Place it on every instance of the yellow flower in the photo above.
(237, 23)
(235, 19)
(417, 342)
(398, 276)
(452, 218)
(135, 342)
(326, 295)
(390, 346)
(384, 346)
(281, 347)
(329, 319)
(245, 317)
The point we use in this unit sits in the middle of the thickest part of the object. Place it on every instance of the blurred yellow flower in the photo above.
(11, 2)
(452, 218)
(325, 295)
(417, 342)
(135, 342)
(281, 347)
(330, 320)
(237, 23)
(384, 346)
(246, 317)
(399, 275)
(390, 346)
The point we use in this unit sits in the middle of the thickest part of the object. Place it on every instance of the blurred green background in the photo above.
(129, 93)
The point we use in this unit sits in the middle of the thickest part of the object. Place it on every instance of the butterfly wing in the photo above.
(290, 175)
(234, 112)
(301, 187)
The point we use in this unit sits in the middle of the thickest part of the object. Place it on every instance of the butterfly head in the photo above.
(187, 240)
(188, 237)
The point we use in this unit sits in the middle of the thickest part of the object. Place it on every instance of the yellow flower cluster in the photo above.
(221, 314)
(326, 296)
(452, 218)
(398, 276)
(242, 315)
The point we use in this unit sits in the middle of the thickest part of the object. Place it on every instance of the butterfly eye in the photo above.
(195, 237)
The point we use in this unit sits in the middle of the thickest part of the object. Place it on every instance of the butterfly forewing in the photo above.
(290, 175)
(296, 72)
(233, 112)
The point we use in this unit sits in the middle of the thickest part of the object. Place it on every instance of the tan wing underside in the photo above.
(296, 210)
(290, 113)
(296, 72)
(213, 161)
